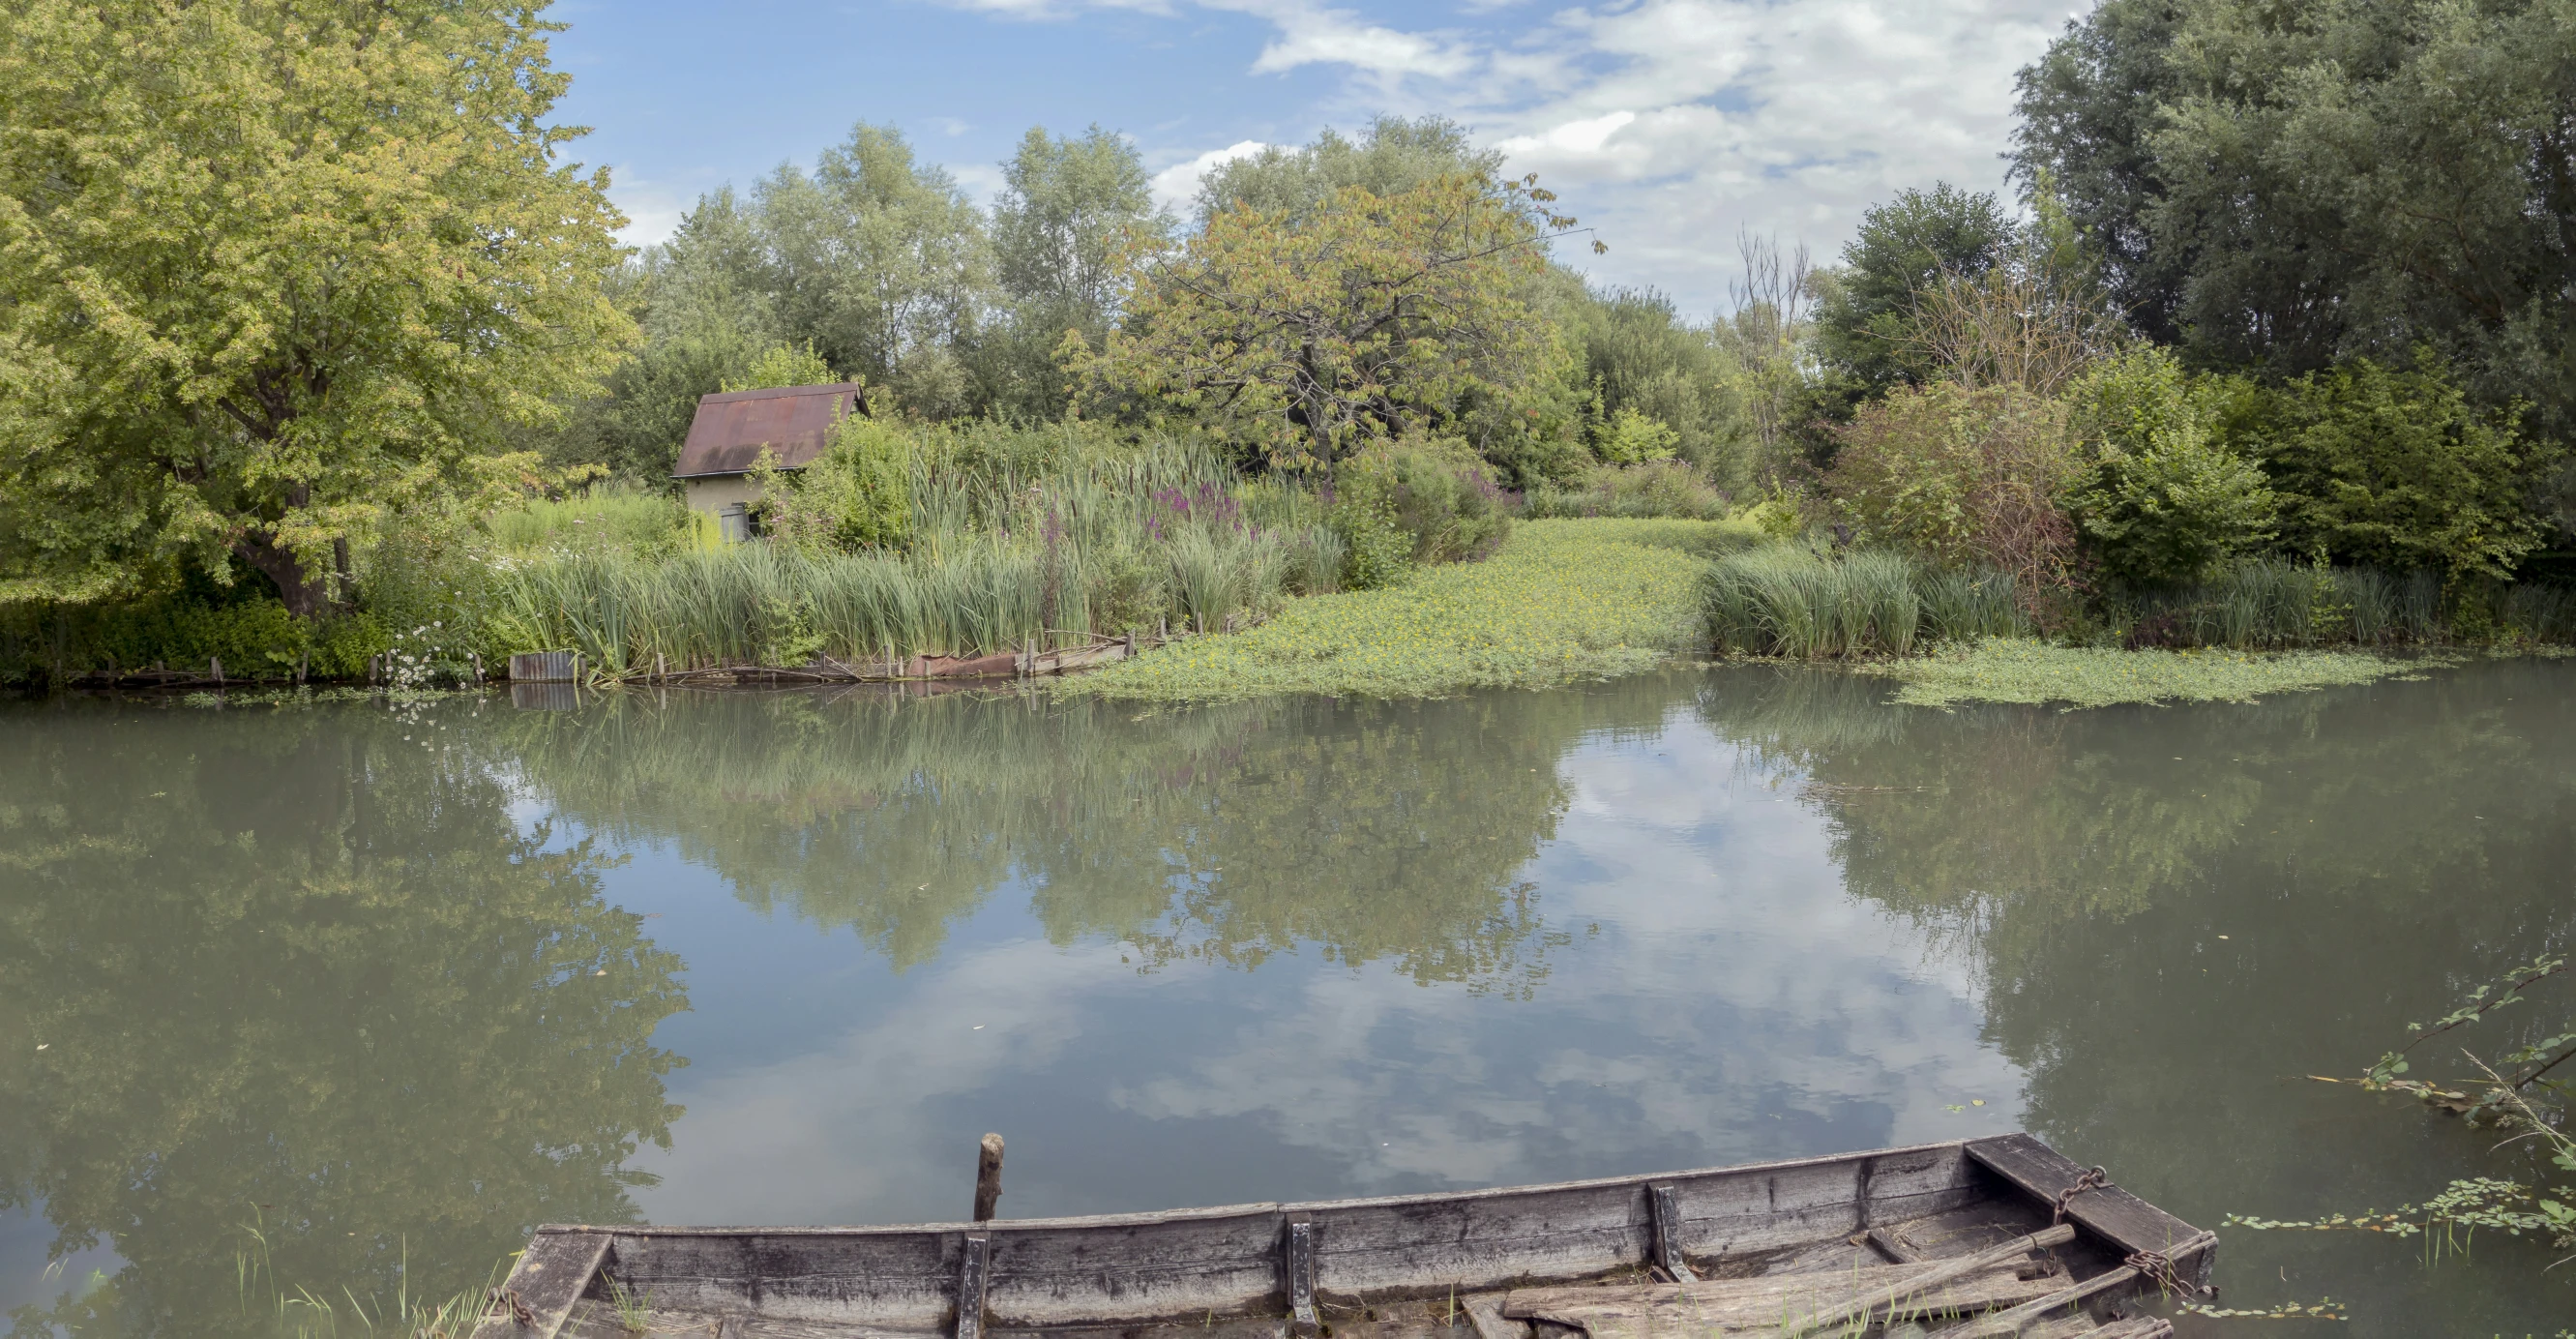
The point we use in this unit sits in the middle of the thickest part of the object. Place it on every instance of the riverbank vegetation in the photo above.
(1349, 367)
(1561, 600)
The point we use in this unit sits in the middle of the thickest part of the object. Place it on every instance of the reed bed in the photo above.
(757, 604)
(605, 517)
(1666, 490)
(2267, 604)
(1021, 540)
(1788, 600)
(1794, 601)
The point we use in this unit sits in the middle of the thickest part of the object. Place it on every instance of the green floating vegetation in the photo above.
(1561, 600)
(2014, 669)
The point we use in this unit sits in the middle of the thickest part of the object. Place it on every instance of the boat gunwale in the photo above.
(1224, 1211)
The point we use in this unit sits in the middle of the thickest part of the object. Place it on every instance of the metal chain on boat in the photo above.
(506, 1300)
(2157, 1267)
(2095, 1179)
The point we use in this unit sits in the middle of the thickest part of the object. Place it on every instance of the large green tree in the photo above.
(273, 272)
(1903, 250)
(2294, 185)
(881, 261)
(1071, 209)
(705, 319)
(1303, 337)
(1392, 156)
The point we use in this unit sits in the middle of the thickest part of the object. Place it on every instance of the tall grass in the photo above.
(2268, 604)
(610, 516)
(1021, 538)
(1787, 600)
(761, 604)
(1660, 490)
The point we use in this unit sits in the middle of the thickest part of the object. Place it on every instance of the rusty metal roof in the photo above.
(792, 421)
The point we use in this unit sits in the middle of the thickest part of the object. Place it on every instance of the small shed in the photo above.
(725, 440)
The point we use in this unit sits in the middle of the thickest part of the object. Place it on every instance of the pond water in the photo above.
(387, 986)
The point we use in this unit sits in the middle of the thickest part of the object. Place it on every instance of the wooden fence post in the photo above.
(988, 1177)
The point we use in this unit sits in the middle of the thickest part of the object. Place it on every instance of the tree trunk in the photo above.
(306, 594)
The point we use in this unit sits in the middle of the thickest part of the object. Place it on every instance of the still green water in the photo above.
(392, 985)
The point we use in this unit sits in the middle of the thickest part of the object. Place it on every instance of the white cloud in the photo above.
(1174, 185)
(1672, 124)
(1586, 137)
(1310, 35)
(653, 210)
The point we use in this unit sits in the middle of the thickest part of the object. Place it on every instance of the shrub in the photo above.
(1630, 438)
(2395, 469)
(2163, 502)
(1971, 479)
(253, 635)
(856, 495)
(1416, 500)
(1660, 490)
(608, 516)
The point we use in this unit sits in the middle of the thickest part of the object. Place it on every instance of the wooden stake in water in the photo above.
(988, 1177)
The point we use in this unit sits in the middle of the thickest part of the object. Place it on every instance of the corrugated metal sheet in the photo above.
(792, 421)
(545, 667)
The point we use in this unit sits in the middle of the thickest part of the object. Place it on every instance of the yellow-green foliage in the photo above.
(603, 518)
(857, 495)
(1560, 600)
(2009, 669)
(278, 274)
(1301, 338)
(783, 365)
(1630, 438)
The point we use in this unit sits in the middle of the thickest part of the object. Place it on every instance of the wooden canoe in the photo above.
(1935, 1238)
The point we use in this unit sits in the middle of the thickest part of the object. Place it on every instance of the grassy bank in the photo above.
(1560, 600)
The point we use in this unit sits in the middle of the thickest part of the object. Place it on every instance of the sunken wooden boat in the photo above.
(1961, 1240)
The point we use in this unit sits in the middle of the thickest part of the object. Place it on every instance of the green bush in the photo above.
(183, 630)
(856, 495)
(1667, 490)
(1967, 479)
(1630, 438)
(620, 516)
(1417, 500)
(2163, 502)
(2386, 468)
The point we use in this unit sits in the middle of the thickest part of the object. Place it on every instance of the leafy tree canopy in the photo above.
(1392, 156)
(275, 272)
(1303, 340)
(2292, 186)
(1071, 209)
(1904, 249)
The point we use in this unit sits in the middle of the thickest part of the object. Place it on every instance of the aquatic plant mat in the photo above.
(1561, 600)
(2013, 669)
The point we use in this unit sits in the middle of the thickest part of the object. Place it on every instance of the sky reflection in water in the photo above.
(1287, 950)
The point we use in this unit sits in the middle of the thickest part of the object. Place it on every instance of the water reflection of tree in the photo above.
(296, 966)
(1370, 831)
(2181, 912)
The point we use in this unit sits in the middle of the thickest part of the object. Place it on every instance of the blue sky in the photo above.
(1669, 124)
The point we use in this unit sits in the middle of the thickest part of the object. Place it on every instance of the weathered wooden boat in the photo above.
(1962, 1240)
